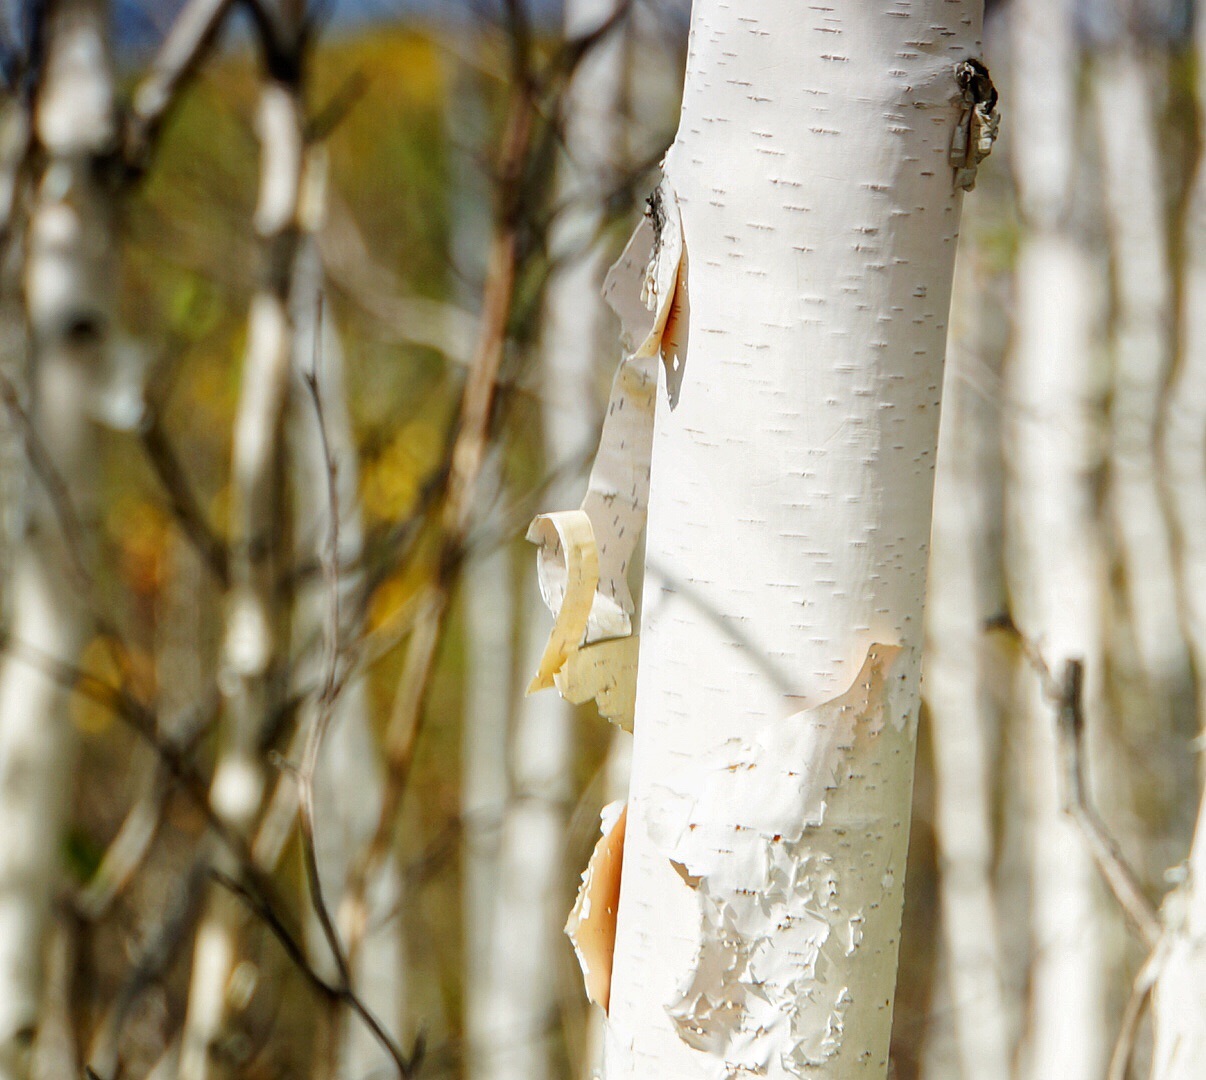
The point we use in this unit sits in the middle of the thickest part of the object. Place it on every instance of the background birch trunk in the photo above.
(70, 275)
(489, 633)
(788, 529)
(348, 781)
(1183, 431)
(251, 669)
(1149, 659)
(490, 627)
(1126, 122)
(963, 595)
(1053, 548)
(1179, 1001)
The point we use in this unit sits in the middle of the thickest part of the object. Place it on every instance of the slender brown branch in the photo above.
(128, 851)
(327, 694)
(575, 50)
(406, 1064)
(1104, 849)
(141, 720)
(465, 462)
(1067, 695)
(341, 102)
(184, 505)
(16, 151)
(255, 890)
(152, 963)
(52, 483)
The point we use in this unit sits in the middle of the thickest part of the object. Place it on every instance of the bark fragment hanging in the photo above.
(591, 926)
(584, 554)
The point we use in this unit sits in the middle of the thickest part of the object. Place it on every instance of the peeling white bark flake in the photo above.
(803, 240)
(584, 554)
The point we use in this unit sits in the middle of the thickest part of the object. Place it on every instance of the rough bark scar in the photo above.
(761, 983)
(978, 125)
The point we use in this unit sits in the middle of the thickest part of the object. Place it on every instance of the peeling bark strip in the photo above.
(591, 926)
(584, 554)
(788, 522)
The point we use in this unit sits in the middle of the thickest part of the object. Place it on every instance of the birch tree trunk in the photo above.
(1053, 546)
(1179, 1002)
(252, 643)
(788, 530)
(490, 632)
(69, 280)
(1126, 115)
(961, 599)
(490, 639)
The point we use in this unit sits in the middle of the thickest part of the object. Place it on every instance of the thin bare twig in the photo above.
(53, 484)
(128, 851)
(327, 695)
(575, 50)
(254, 889)
(16, 151)
(329, 116)
(1067, 695)
(141, 719)
(154, 959)
(1103, 848)
(406, 1064)
(467, 453)
(184, 505)
(1128, 1027)
(465, 461)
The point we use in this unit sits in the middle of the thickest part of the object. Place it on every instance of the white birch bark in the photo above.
(1179, 1001)
(251, 640)
(959, 703)
(1053, 548)
(789, 519)
(69, 282)
(348, 779)
(489, 635)
(1134, 186)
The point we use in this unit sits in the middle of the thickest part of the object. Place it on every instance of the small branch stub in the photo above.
(978, 124)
